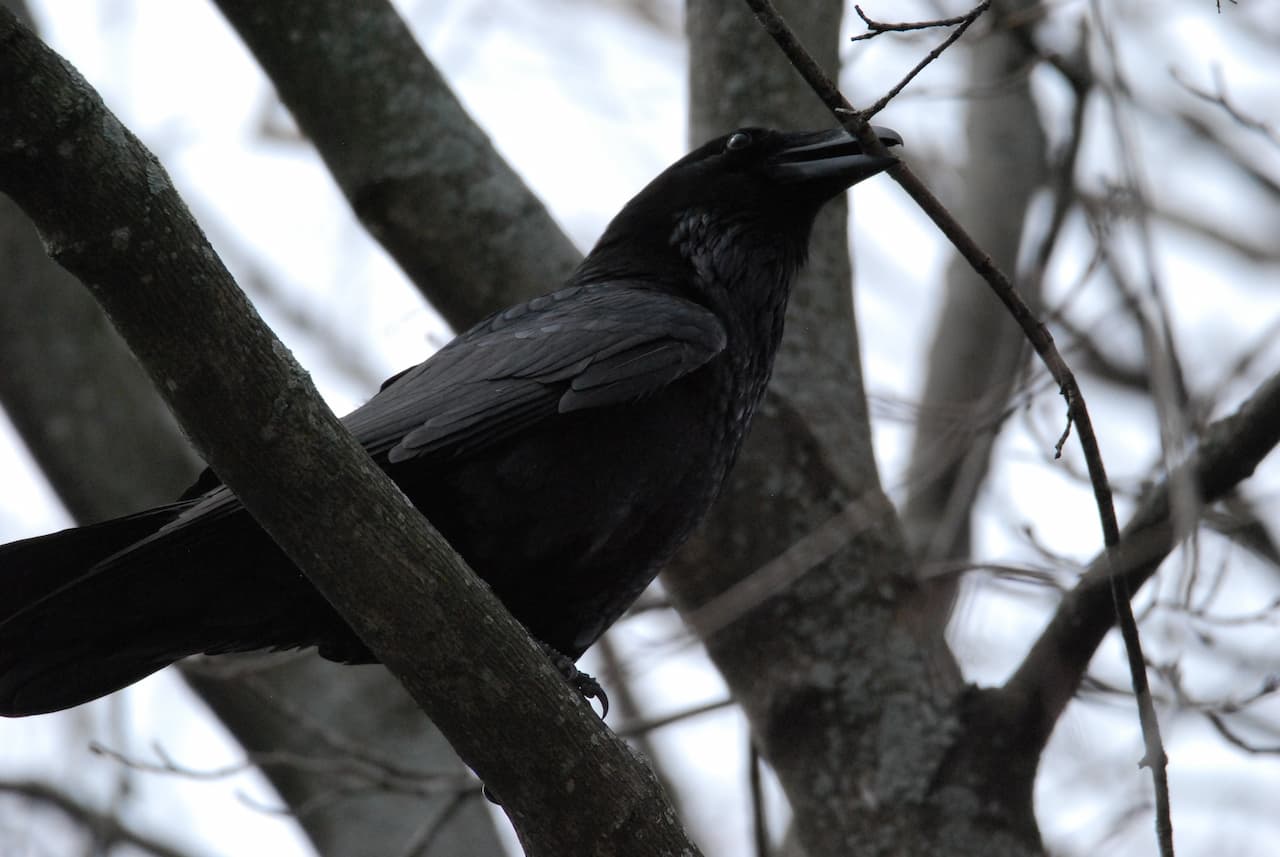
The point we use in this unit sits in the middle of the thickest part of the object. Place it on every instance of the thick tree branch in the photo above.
(54, 345)
(109, 214)
(1229, 451)
(419, 173)
(806, 631)
(109, 446)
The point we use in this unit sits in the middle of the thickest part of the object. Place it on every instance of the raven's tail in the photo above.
(87, 611)
(56, 646)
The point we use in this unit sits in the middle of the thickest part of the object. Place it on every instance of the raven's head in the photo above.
(762, 167)
(760, 185)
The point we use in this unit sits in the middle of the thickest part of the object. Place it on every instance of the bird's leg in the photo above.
(585, 684)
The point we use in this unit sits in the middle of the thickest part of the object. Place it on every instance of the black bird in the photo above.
(565, 447)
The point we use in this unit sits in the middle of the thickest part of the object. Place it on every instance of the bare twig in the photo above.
(640, 727)
(1096, 361)
(875, 28)
(856, 123)
(1214, 134)
(1064, 172)
(431, 827)
(351, 770)
(809, 69)
(1262, 614)
(1214, 711)
(355, 750)
(1254, 249)
(964, 22)
(1239, 521)
(1168, 388)
(1220, 97)
(1232, 737)
(106, 829)
(759, 824)
(1228, 451)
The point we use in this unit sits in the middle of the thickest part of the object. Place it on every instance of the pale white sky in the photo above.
(180, 79)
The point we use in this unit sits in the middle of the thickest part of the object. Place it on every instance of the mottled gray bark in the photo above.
(801, 582)
(108, 445)
(836, 686)
(797, 580)
(420, 174)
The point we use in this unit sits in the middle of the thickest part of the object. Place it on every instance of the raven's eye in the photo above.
(737, 141)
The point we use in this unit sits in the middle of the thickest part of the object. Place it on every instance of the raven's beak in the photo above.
(832, 159)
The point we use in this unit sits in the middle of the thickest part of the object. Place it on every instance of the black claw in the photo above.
(583, 683)
(590, 689)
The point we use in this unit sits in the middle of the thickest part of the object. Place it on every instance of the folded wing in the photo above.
(582, 347)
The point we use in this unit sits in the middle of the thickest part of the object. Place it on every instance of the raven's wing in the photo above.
(581, 347)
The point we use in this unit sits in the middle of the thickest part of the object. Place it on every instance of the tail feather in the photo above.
(34, 569)
(88, 611)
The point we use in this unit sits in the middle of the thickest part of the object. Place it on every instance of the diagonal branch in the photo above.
(962, 23)
(875, 28)
(1227, 454)
(416, 169)
(109, 214)
(1040, 338)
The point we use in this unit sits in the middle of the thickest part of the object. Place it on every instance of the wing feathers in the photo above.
(584, 347)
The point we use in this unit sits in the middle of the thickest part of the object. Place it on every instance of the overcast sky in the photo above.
(588, 102)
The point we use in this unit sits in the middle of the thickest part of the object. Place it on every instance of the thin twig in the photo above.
(1228, 452)
(964, 22)
(422, 841)
(1167, 387)
(1213, 712)
(759, 825)
(1214, 134)
(372, 777)
(1220, 98)
(875, 28)
(1064, 171)
(640, 727)
(856, 123)
(106, 829)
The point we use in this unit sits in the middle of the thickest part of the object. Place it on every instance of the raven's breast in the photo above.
(571, 520)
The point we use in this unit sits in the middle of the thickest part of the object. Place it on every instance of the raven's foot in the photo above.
(585, 684)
